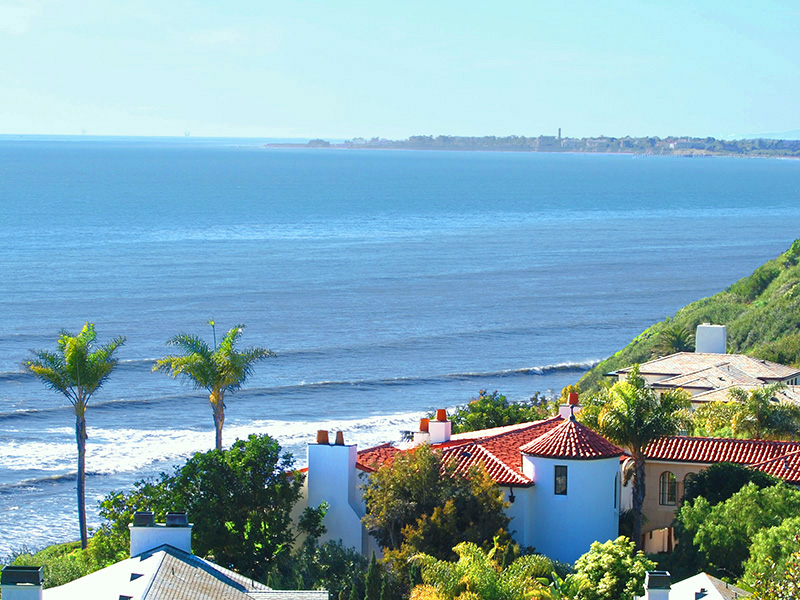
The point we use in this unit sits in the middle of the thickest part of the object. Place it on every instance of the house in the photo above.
(552, 472)
(551, 467)
(161, 567)
(698, 587)
(671, 459)
(710, 372)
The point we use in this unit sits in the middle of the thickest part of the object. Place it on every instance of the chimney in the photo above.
(146, 535)
(712, 339)
(332, 477)
(566, 411)
(441, 428)
(21, 583)
(423, 436)
(656, 585)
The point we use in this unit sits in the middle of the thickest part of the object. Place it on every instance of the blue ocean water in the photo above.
(389, 283)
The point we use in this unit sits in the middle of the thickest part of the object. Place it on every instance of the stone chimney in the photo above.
(656, 585)
(712, 339)
(441, 428)
(565, 411)
(21, 583)
(146, 535)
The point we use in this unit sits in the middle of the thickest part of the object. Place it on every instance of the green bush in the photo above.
(614, 570)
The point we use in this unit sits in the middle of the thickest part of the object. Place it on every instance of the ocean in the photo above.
(389, 283)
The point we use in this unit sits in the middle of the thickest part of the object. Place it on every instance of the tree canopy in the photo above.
(219, 371)
(722, 480)
(475, 574)
(418, 504)
(632, 415)
(243, 496)
(495, 410)
(614, 570)
(724, 532)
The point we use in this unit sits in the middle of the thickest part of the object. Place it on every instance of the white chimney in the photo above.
(21, 583)
(146, 535)
(656, 585)
(712, 339)
(422, 436)
(331, 478)
(441, 428)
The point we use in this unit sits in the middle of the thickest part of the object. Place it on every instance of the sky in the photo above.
(339, 69)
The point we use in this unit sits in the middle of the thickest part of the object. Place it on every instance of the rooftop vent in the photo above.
(656, 585)
(12, 575)
(322, 437)
(340, 438)
(144, 518)
(21, 583)
(177, 519)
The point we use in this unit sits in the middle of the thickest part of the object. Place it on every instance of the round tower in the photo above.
(575, 474)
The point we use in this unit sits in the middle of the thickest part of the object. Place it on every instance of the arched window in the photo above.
(667, 489)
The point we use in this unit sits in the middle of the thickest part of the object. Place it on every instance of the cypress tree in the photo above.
(372, 582)
(354, 593)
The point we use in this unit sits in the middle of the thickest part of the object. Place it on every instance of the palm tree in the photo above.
(673, 338)
(761, 415)
(635, 415)
(77, 370)
(223, 369)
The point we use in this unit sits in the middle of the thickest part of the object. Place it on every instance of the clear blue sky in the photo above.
(345, 68)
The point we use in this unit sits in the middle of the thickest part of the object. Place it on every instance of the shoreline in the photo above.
(343, 147)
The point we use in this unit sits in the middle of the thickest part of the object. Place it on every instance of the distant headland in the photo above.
(669, 146)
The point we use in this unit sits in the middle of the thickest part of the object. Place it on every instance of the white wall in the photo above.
(564, 526)
(332, 478)
(144, 539)
(521, 514)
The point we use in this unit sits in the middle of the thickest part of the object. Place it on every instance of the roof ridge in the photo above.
(530, 425)
(774, 458)
(154, 572)
(500, 461)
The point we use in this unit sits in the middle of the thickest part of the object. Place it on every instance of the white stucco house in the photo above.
(560, 478)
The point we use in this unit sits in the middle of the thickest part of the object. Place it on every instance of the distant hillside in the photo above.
(761, 312)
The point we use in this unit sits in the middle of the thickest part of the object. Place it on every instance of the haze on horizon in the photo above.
(340, 69)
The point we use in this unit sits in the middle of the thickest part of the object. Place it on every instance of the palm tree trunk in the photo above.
(638, 497)
(218, 408)
(80, 437)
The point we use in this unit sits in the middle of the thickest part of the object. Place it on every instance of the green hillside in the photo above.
(761, 312)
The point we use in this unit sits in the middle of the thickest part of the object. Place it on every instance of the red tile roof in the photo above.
(497, 449)
(372, 459)
(500, 450)
(786, 467)
(572, 440)
(710, 450)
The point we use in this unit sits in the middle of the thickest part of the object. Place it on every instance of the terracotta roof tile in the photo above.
(712, 450)
(572, 440)
(373, 458)
(786, 467)
(497, 449)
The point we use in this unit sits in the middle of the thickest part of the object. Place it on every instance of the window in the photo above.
(560, 480)
(668, 489)
(616, 488)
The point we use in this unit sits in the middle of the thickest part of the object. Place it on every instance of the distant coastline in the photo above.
(645, 146)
